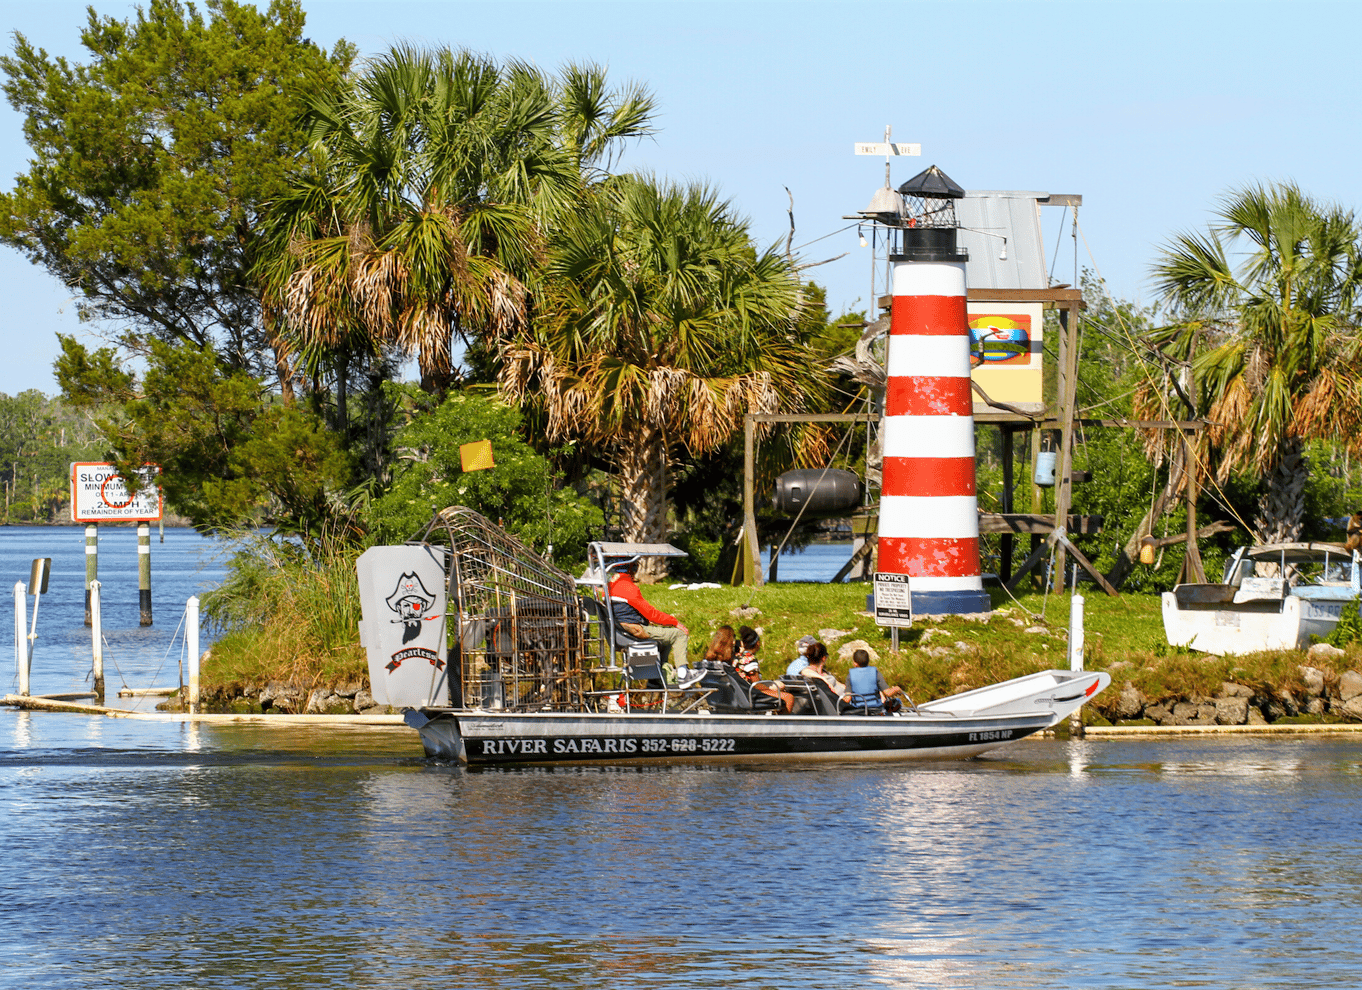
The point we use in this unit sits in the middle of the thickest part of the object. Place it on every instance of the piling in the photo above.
(1076, 648)
(91, 564)
(191, 627)
(96, 639)
(144, 572)
(21, 637)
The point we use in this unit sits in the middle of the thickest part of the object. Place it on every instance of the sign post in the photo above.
(893, 604)
(100, 494)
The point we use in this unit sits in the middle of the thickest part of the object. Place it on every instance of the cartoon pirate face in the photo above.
(411, 601)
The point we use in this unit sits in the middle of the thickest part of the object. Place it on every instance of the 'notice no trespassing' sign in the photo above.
(99, 494)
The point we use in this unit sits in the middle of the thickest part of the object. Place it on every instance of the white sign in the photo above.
(888, 148)
(99, 494)
(893, 602)
(402, 596)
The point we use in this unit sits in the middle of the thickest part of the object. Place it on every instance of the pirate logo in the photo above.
(411, 601)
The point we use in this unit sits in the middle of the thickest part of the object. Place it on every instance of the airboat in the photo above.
(499, 657)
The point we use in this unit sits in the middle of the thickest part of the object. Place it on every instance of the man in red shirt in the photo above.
(630, 608)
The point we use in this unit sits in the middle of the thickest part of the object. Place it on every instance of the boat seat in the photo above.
(729, 693)
(824, 698)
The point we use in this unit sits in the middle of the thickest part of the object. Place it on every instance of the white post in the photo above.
(1076, 650)
(1076, 632)
(97, 640)
(21, 637)
(191, 622)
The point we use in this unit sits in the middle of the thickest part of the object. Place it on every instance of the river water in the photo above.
(148, 854)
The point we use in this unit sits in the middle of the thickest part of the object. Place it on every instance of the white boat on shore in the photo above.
(1249, 612)
(500, 658)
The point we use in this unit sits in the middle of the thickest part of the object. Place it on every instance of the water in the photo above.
(159, 855)
(185, 564)
(815, 562)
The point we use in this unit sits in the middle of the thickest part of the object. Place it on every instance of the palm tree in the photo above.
(658, 327)
(423, 207)
(1270, 343)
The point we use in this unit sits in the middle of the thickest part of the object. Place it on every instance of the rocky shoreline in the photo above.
(1320, 694)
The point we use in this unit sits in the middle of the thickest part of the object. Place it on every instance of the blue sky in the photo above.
(1152, 111)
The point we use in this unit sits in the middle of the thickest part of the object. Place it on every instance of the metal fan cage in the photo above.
(516, 620)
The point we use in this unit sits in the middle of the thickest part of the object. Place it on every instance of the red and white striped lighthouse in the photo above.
(929, 522)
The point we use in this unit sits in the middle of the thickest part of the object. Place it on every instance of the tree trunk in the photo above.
(1281, 512)
(643, 496)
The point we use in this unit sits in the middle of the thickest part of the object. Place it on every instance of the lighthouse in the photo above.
(929, 520)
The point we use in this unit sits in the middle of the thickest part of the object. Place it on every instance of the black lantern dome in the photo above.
(929, 223)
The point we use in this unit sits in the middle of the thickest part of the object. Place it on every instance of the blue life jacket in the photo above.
(864, 685)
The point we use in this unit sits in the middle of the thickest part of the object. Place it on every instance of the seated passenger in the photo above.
(801, 659)
(866, 686)
(722, 646)
(750, 668)
(637, 617)
(817, 669)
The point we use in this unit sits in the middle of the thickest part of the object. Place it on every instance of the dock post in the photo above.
(21, 637)
(96, 639)
(144, 572)
(1076, 647)
(191, 622)
(91, 563)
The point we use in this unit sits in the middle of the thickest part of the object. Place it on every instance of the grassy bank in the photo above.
(296, 621)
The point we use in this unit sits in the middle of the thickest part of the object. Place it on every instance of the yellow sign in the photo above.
(476, 456)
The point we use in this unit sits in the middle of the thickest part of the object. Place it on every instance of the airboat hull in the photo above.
(958, 727)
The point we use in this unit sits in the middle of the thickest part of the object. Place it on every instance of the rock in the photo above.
(1231, 711)
(348, 689)
(1315, 706)
(1036, 630)
(1272, 708)
(1288, 702)
(1189, 713)
(830, 636)
(1211, 658)
(963, 647)
(1119, 666)
(1229, 689)
(1313, 679)
(364, 701)
(1350, 685)
(929, 634)
(745, 612)
(1323, 651)
(938, 651)
(1130, 703)
(1160, 713)
(1016, 622)
(845, 651)
(1255, 717)
(323, 700)
(1352, 709)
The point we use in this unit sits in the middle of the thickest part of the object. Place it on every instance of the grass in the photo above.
(293, 618)
(287, 616)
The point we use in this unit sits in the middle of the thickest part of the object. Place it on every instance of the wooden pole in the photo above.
(91, 563)
(751, 549)
(1005, 542)
(1064, 467)
(144, 572)
(1192, 569)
